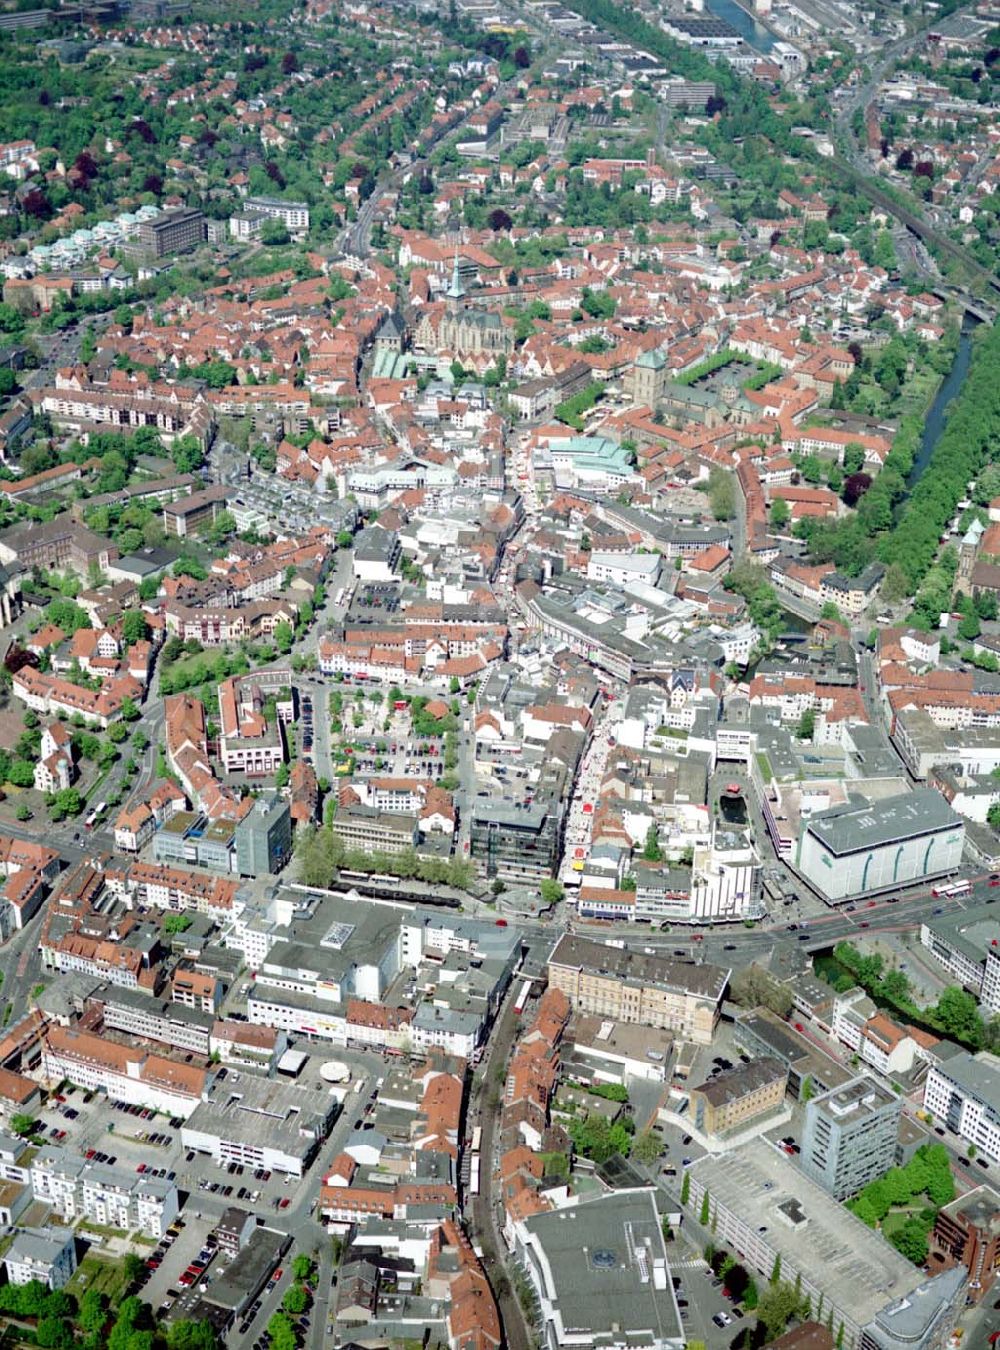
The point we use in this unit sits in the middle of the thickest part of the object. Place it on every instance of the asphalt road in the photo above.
(486, 1205)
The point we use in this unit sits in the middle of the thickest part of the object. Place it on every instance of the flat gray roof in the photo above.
(855, 1265)
(969, 931)
(864, 825)
(978, 1076)
(853, 1101)
(248, 1271)
(604, 1257)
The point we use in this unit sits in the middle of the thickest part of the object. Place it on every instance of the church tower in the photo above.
(456, 291)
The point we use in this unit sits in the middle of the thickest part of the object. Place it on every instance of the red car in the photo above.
(285, 1203)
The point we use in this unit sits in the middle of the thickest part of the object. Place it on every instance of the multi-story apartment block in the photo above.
(196, 989)
(43, 1254)
(110, 1196)
(175, 888)
(190, 515)
(293, 215)
(628, 987)
(963, 1092)
(850, 1136)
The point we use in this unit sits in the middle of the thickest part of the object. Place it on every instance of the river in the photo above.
(752, 32)
(936, 421)
(937, 416)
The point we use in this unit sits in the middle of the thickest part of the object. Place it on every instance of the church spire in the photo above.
(456, 291)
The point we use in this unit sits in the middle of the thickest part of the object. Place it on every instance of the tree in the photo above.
(776, 1271)
(807, 1091)
(284, 636)
(686, 1188)
(303, 1267)
(281, 776)
(704, 1213)
(177, 923)
(129, 711)
(133, 1267)
(67, 802)
(67, 615)
(647, 1148)
(92, 1315)
(957, 1014)
(281, 1332)
(969, 627)
(296, 1300)
(651, 850)
(499, 220)
(721, 493)
(187, 1335)
(854, 457)
(807, 725)
(21, 773)
(895, 585)
(855, 487)
(753, 987)
(550, 890)
(274, 233)
(780, 513)
(54, 1333)
(911, 1241)
(134, 627)
(22, 1123)
(777, 1305)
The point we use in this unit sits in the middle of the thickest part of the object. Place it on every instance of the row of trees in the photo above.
(321, 854)
(61, 1320)
(905, 531)
(955, 1015)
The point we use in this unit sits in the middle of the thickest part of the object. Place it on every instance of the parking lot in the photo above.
(375, 739)
(373, 601)
(705, 1310)
(174, 1257)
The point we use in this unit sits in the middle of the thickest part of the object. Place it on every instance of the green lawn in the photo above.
(105, 1276)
